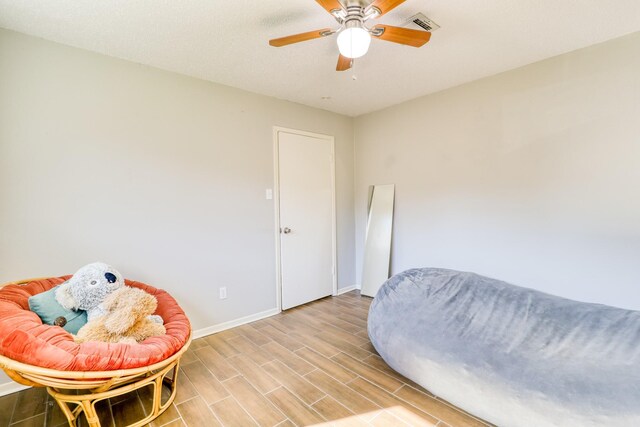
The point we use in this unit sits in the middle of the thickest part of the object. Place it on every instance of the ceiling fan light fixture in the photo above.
(354, 37)
(353, 42)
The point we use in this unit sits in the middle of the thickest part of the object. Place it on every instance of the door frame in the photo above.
(276, 200)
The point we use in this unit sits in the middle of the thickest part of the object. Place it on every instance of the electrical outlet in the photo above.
(268, 194)
(223, 293)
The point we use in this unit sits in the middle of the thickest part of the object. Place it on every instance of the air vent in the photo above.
(420, 22)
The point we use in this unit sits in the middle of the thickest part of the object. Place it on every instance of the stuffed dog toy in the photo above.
(88, 288)
(126, 320)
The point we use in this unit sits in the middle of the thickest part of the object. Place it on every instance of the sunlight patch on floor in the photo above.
(391, 416)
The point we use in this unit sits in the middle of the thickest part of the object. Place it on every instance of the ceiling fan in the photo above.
(354, 36)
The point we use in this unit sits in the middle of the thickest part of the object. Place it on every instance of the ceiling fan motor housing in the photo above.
(356, 15)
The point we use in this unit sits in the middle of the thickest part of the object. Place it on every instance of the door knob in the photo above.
(286, 230)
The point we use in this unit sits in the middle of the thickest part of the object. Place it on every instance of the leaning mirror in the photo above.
(377, 247)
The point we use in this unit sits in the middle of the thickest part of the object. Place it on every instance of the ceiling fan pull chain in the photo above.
(354, 77)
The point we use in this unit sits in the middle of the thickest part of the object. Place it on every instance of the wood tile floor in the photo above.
(311, 365)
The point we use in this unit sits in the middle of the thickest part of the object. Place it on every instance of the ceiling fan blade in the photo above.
(302, 37)
(330, 5)
(344, 63)
(385, 6)
(415, 38)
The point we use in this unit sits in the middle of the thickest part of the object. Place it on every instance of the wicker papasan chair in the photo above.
(78, 376)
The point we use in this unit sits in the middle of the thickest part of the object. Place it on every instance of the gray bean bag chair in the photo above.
(510, 355)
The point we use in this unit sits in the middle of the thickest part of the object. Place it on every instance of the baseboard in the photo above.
(11, 387)
(347, 289)
(203, 332)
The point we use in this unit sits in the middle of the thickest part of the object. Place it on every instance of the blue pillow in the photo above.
(48, 309)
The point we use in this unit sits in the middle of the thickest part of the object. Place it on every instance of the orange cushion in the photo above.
(25, 339)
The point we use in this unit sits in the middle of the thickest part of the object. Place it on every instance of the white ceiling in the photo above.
(225, 41)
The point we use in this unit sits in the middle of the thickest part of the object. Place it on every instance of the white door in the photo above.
(305, 176)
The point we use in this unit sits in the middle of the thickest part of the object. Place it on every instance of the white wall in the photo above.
(531, 176)
(161, 175)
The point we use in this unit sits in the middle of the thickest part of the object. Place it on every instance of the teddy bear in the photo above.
(126, 318)
(88, 287)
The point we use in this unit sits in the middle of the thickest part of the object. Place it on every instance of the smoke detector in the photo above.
(420, 21)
